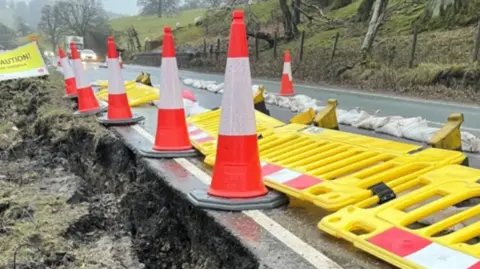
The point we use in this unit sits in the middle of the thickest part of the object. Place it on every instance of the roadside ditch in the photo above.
(72, 195)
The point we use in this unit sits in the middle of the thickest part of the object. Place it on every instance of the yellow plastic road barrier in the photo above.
(209, 122)
(333, 175)
(142, 94)
(314, 133)
(137, 94)
(103, 93)
(327, 118)
(104, 83)
(203, 129)
(449, 136)
(140, 77)
(259, 101)
(333, 169)
(340, 175)
(392, 231)
(305, 118)
(146, 80)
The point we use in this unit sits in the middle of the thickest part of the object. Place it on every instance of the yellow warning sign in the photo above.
(22, 62)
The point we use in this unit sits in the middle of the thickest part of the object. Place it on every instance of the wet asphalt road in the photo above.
(433, 111)
(210, 100)
(302, 218)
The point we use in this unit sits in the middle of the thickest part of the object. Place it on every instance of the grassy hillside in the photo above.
(267, 15)
(442, 66)
(152, 27)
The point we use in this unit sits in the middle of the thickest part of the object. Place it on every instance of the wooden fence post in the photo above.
(476, 44)
(414, 46)
(302, 43)
(218, 49)
(204, 48)
(275, 45)
(334, 48)
(257, 56)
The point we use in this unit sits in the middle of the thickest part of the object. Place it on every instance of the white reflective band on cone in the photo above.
(67, 69)
(170, 87)
(80, 77)
(287, 69)
(238, 113)
(116, 85)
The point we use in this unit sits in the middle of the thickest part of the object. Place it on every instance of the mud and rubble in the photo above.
(72, 195)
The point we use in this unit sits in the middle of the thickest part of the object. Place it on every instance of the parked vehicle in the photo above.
(77, 40)
(88, 55)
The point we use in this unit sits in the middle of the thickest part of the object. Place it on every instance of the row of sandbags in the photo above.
(415, 128)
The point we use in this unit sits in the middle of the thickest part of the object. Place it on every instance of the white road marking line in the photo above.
(463, 128)
(313, 256)
(431, 122)
(348, 91)
(370, 94)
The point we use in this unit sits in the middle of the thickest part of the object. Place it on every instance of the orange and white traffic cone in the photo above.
(118, 110)
(87, 102)
(171, 139)
(68, 74)
(286, 88)
(237, 182)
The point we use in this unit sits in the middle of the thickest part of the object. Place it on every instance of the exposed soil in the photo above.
(73, 196)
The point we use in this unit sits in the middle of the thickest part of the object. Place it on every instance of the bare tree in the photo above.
(289, 25)
(296, 11)
(437, 8)
(21, 26)
(378, 16)
(213, 3)
(157, 7)
(364, 10)
(80, 16)
(7, 37)
(50, 24)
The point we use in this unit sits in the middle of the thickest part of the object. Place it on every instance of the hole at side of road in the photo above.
(170, 233)
(126, 199)
(93, 201)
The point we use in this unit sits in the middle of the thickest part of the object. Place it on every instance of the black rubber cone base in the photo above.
(90, 112)
(272, 199)
(70, 97)
(103, 119)
(161, 154)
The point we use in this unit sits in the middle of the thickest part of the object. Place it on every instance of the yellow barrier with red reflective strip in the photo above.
(208, 123)
(137, 94)
(332, 174)
(203, 129)
(427, 228)
(364, 176)
(331, 169)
